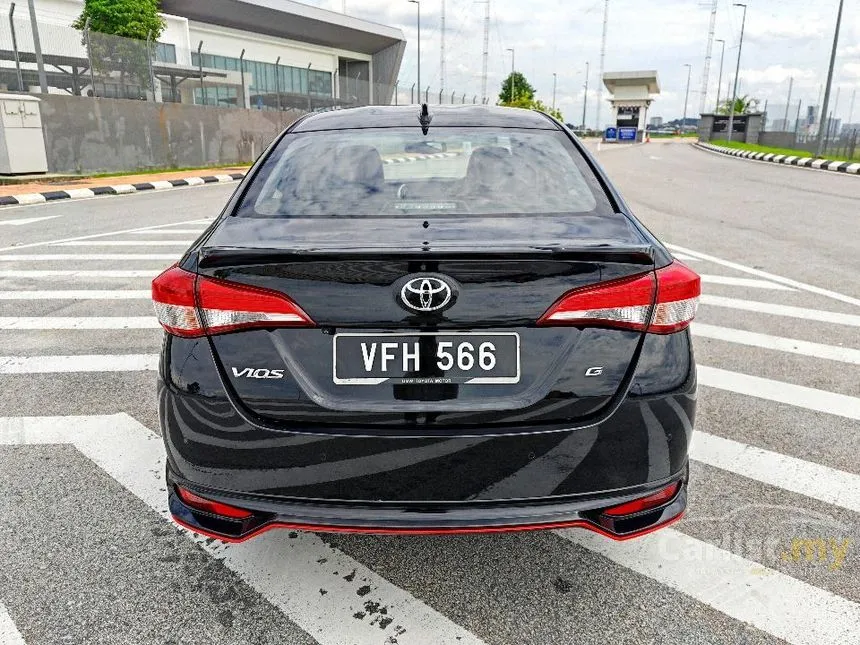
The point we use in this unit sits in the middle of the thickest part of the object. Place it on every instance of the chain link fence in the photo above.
(796, 127)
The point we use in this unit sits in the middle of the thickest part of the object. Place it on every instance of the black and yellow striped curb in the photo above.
(119, 189)
(788, 160)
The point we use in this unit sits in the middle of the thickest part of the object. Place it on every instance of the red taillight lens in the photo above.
(209, 506)
(173, 297)
(219, 305)
(227, 306)
(644, 503)
(627, 303)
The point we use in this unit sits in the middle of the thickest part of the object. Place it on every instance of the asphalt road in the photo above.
(89, 556)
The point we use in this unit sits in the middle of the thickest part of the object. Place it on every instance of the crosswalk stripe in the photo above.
(81, 363)
(788, 345)
(124, 243)
(289, 572)
(788, 282)
(83, 322)
(9, 634)
(743, 282)
(80, 294)
(779, 391)
(781, 310)
(76, 273)
(770, 600)
(171, 231)
(807, 478)
(85, 257)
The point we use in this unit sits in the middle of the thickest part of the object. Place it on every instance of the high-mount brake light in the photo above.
(630, 303)
(219, 306)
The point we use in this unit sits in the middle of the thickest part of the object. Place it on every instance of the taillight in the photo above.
(219, 305)
(627, 303)
(210, 506)
(644, 503)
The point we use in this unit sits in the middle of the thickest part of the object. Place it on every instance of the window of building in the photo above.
(165, 53)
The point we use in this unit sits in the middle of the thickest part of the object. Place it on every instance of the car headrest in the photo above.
(358, 165)
(491, 165)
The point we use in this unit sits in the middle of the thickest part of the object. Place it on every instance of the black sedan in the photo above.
(413, 320)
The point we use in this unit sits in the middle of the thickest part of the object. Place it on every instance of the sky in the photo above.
(782, 39)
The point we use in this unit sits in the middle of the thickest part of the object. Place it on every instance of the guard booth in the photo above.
(745, 127)
(631, 96)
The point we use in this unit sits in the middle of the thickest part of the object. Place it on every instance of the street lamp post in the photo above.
(513, 82)
(825, 130)
(417, 3)
(686, 96)
(737, 72)
(720, 80)
(554, 81)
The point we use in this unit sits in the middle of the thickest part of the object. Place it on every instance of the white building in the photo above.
(295, 55)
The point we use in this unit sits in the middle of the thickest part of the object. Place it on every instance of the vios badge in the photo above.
(426, 294)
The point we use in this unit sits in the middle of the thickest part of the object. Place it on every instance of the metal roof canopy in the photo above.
(646, 79)
(290, 20)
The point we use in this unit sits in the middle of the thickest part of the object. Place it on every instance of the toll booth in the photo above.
(631, 94)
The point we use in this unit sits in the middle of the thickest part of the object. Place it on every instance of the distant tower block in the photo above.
(632, 94)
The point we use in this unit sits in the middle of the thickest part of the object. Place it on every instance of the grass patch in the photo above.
(739, 145)
(156, 171)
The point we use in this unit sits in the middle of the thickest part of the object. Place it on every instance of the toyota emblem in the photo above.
(426, 294)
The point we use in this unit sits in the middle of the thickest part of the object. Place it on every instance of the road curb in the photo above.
(788, 160)
(118, 189)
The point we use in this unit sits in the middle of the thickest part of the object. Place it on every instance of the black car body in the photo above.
(417, 321)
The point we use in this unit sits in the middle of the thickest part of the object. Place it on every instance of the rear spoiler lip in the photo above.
(226, 256)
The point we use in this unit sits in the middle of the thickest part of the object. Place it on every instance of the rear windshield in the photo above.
(401, 172)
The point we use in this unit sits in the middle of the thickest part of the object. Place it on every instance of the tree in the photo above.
(119, 30)
(742, 104)
(522, 90)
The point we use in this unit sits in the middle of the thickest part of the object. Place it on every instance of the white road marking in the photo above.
(75, 257)
(813, 480)
(774, 602)
(83, 363)
(172, 231)
(288, 572)
(94, 236)
(788, 282)
(85, 322)
(779, 310)
(80, 294)
(788, 345)
(781, 392)
(9, 634)
(743, 282)
(38, 274)
(685, 258)
(25, 220)
(125, 243)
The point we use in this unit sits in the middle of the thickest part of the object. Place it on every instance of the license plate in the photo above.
(426, 358)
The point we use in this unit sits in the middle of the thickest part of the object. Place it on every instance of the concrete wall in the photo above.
(778, 139)
(89, 135)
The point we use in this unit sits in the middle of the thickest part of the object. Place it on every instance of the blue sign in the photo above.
(627, 134)
(611, 134)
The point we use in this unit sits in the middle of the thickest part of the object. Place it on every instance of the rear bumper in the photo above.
(425, 519)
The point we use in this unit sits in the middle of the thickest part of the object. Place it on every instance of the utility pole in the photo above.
(686, 96)
(37, 46)
(554, 80)
(737, 72)
(486, 49)
(513, 82)
(585, 96)
(602, 60)
(720, 80)
(706, 72)
(823, 131)
(417, 3)
(788, 100)
(442, 49)
(851, 109)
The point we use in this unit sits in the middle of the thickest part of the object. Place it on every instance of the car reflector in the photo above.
(190, 306)
(645, 503)
(209, 506)
(660, 302)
